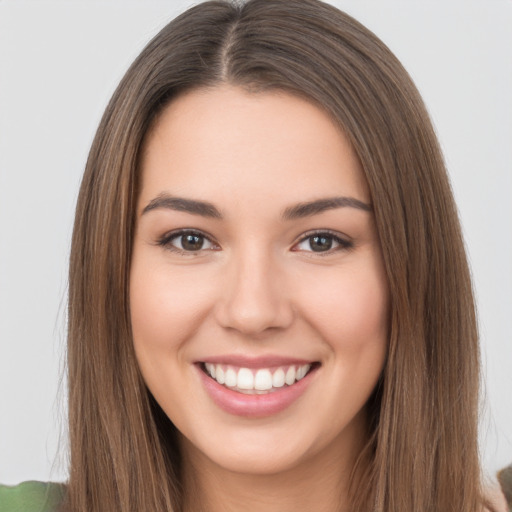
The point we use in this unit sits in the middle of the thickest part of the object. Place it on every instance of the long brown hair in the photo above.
(422, 449)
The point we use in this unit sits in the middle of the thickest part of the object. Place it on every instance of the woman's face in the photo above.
(256, 260)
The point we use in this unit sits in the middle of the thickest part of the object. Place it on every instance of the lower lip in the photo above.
(254, 406)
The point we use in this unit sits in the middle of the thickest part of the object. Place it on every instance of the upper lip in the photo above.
(265, 361)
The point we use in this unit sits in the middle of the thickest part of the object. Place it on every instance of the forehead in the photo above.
(229, 144)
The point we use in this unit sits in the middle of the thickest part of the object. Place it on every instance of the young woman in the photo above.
(269, 304)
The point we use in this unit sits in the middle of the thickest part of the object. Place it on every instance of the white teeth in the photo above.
(257, 381)
(278, 378)
(245, 379)
(230, 378)
(219, 375)
(263, 380)
(301, 372)
(210, 369)
(290, 376)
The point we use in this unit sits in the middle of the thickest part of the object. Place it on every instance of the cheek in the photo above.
(165, 305)
(352, 312)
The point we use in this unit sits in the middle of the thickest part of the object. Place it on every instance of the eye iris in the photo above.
(192, 242)
(320, 243)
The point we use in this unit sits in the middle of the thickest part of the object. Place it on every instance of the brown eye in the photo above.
(322, 242)
(191, 242)
(187, 241)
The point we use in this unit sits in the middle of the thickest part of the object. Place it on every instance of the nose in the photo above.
(254, 297)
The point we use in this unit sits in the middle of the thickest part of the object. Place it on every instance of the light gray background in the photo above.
(60, 62)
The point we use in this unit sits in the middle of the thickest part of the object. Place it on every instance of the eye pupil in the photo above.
(192, 242)
(320, 243)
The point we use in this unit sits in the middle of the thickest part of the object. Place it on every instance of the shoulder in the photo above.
(31, 497)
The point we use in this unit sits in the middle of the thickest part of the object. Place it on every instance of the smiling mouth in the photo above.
(257, 381)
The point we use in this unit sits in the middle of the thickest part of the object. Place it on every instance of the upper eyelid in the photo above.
(334, 234)
(169, 235)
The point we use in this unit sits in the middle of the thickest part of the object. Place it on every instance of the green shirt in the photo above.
(31, 497)
(46, 497)
(505, 480)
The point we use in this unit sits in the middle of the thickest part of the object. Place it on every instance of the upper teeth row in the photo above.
(261, 380)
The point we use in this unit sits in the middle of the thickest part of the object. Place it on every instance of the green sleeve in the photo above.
(505, 480)
(31, 497)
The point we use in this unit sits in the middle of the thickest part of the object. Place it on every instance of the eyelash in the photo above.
(342, 243)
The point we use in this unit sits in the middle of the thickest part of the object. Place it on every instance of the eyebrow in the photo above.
(180, 204)
(310, 208)
(298, 211)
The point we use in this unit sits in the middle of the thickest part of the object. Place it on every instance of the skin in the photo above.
(256, 287)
